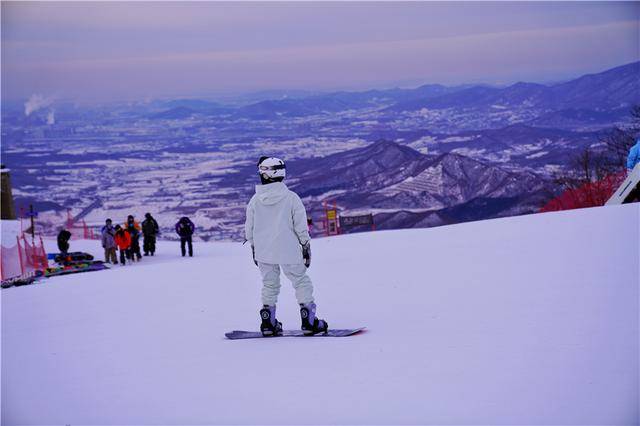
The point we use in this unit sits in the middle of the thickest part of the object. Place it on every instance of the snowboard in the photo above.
(96, 265)
(241, 334)
(73, 257)
(25, 279)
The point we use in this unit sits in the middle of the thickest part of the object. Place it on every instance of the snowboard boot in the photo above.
(310, 323)
(270, 325)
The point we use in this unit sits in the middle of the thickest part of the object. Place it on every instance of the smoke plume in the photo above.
(35, 102)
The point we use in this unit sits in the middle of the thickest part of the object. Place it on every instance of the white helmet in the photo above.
(271, 168)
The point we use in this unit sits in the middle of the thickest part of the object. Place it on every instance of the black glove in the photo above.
(253, 252)
(306, 254)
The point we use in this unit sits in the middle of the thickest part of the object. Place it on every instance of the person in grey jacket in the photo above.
(109, 242)
(276, 228)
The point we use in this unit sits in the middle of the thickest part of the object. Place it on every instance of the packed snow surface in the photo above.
(530, 319)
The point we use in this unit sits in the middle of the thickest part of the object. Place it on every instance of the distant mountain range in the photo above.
(388, 176)
(591, 100)
(517, 146)
(185, 108)
(340, 101)
(612, 89)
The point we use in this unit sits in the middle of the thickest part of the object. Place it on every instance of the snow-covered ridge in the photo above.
(524, 320)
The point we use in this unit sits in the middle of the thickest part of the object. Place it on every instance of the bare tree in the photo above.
(609, 158)
(587, 166)
(595, 172)
(635, 118)
(617, 143)
(593, 164)
(620, 140)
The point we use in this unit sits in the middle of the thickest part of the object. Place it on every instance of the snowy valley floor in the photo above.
(530, 319)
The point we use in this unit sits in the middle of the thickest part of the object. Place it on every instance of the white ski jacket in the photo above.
(276, 224)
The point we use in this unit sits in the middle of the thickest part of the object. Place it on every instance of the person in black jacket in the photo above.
(150, 230)
(185, 229)
(63, 241)
(133, 228)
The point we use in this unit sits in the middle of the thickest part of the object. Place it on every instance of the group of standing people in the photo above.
(126, 238)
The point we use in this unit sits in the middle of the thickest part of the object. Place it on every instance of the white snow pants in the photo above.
(296, 273)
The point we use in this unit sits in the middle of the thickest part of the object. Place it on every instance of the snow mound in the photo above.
(530, 319)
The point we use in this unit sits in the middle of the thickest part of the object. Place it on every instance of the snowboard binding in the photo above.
(310, 323)
(270, 326)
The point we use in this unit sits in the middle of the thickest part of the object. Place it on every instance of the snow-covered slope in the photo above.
(529, 319)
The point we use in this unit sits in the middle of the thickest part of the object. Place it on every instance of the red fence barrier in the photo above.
(35, 257)
(11, 263)
(23, 258)
(79, 229)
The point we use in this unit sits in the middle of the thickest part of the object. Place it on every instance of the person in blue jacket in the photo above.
(634, 156)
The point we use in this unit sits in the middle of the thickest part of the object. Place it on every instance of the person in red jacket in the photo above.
(133, 227)
(123, 240)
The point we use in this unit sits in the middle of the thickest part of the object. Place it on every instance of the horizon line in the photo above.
(232, 95)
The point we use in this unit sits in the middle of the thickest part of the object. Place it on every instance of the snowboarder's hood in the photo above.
(271, 193)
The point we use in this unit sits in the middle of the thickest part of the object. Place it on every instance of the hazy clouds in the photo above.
(128, 50)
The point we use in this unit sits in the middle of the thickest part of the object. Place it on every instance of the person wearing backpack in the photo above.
(150, 230)
(185, 229)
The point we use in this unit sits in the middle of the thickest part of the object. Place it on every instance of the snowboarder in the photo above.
(276, 228)
(109, 242)
(133, 228)
(185, 229)
(123, 240)
(63, 241)
(150, 230)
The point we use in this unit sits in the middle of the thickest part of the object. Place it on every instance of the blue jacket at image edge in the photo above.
(634, 156)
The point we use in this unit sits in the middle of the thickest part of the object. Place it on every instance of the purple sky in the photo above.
(128, 50)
